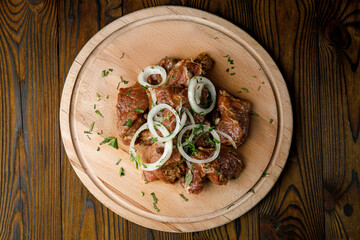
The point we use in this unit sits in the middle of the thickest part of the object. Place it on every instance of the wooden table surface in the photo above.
(316, 45)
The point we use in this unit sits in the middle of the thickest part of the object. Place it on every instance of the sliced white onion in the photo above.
(198, 92)
(194, 83)
(228, 137)
(191, 118)
(164, 157)
(186, 156)
(153, 96)
(150, 121)
(146, 72)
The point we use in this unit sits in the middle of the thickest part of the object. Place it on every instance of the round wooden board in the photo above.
(140, 39)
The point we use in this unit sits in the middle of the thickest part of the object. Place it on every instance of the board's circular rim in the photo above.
(283, 104)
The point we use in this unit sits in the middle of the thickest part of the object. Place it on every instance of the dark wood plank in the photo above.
(294, 208)
(30, 162)
(339, 45)
(83, 216)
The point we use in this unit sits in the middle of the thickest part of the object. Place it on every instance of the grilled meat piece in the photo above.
(182, 72)
(173, 169)
(129, 121)
(232, 116)
(205, 61)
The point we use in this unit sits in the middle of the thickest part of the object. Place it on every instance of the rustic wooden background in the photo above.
(316, 45)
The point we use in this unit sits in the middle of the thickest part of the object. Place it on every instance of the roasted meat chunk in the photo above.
(224, 168)
(129, 120)
(173, 169)
(168, 63)
(182, 72)
(205, 61)
(232, 116)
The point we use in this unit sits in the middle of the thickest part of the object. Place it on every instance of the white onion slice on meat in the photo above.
(191, 118)
(193, 94)
(153, 97)
(151, 124)
(168, 148)
(198, 92)
(186, 156)
(146, 72)
(231, 140)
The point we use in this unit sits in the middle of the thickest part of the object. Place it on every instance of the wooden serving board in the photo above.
(141, 39)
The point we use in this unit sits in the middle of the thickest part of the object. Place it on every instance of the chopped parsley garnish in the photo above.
(232, 74)
(107, 97)
(259, 88)
(173, 77)
(173, 59)
(128, 123)
(104, 73)
(117, 163)
(94, 106)
(188, 178)
(117, 88)
(271, 120)
(97, 95)
(99, 113)
(142, 194)
(145, 87)
(155, 207)
(121, 172)
(112, 142)
(128, 93)
(251, 191)
(211, 128)
(265, 174)
(88, 137)
(98, 149)
(154, 139)
(110, 69)
(154, 197)
(254, 76)
(206, 167)
(262, 82)
(145, 180)
(216, 141)
(227, 70)
(139, 110)
(245, 90)
(183, 197)
(254, 114)
(91, 128)
(210, 141)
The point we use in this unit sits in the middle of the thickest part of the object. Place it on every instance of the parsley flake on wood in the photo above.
(245, 90)
(265, 174)
(99, 113)
(183, 197)
(142, 194)
(251, 191)
(117, 163)
(155, 207)
(91, 128)
(112, 142)
(107, 97)
(98, 149)
(145, 180)
(121, 172)
(154, 197)
(232, 74)
(271, 121)
(254, 114)
(259, 88)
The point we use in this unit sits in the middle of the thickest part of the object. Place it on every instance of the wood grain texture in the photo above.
(30, 162)
(276, 25)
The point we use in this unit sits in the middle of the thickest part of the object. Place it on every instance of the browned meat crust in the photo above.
(129, 121)
(232, 116)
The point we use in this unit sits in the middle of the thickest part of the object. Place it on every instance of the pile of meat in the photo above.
(231, 115)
